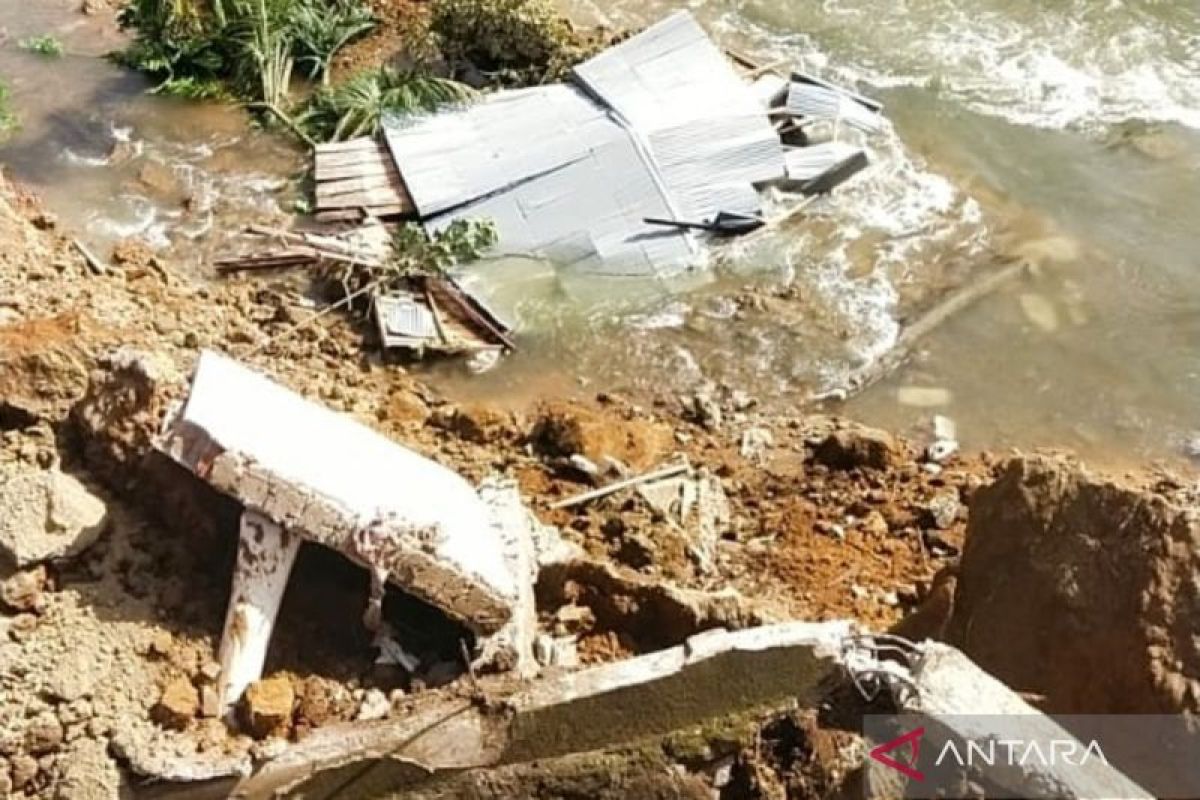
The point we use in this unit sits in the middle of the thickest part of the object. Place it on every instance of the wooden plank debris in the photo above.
(436, 314)
(298, 248)
(626, 483)
(357, 179)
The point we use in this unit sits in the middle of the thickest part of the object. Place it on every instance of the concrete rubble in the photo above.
(303, 472)
(714, 673)
(47, 515)
(956, 700)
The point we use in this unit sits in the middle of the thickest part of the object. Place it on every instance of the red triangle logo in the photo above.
(913, 739)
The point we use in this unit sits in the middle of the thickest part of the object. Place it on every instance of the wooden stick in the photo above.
(616, 486)
(762, 69)
(454, 293)
(950, 305)
(94, 264)
(437, 317)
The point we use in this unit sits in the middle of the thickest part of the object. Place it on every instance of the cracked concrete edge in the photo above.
(713, 674)
(407, 550)
(518, 530)
(960, 700)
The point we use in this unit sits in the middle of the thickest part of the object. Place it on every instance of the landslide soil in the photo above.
(808, 537)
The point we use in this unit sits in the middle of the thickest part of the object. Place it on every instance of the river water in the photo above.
(1062, 132)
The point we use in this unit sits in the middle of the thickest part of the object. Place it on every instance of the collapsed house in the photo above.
(303, 472)
(654, 144)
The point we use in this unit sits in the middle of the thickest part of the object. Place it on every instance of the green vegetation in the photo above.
(415, 253)
(512, 42)
(357, 106)
(249, 49)
(321, 31)
(8, 119)
(44, 45)
(248, 46)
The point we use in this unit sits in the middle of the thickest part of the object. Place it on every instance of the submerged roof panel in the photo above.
(701, 123)
(587, 210)
(666, 129)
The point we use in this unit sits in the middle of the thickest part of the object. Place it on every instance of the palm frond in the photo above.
(357, 106)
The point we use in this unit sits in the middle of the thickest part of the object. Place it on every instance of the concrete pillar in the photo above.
(266, 552)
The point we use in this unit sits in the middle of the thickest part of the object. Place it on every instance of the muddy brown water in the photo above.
(113, 161)
(1068, 136)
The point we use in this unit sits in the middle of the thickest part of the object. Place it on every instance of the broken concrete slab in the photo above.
(696, 504)
(958, 700)
(47, 515)
(338, 483)
(715, 673)
(303, 471)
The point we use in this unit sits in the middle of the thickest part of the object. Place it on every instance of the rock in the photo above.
(24, 769)
(87, 772)
(47, 515)
(857, 447)
(160, 644)
(178, 704)
(703, 409)
(556, 651)
(320, 702)
(755, 442)
(210, 701)
(209, 672)
(22, 591)
(923, 396)
(564, 429)
(1083, 589)
(938, 545)
(374, 705)
(41, 371)
(43, 734)
(874, 524)
(267, 706)
(120, 416)
(940, 450)
(943, 509)
(6, 784)
(1040, 311)
(477, 423)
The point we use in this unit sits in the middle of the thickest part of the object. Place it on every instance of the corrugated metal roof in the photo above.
(804, 163)
(822, 102)
(579, 203)
(670, 130)
(699, 121)
(465, 153)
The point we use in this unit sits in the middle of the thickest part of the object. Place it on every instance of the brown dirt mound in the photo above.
(1083, 589)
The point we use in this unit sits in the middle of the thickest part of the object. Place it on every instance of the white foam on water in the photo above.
(1082, 64)
(78, 159)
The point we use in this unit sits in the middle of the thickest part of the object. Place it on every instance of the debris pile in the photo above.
(473, 582)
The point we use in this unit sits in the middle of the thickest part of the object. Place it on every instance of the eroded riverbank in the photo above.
(954, 192)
